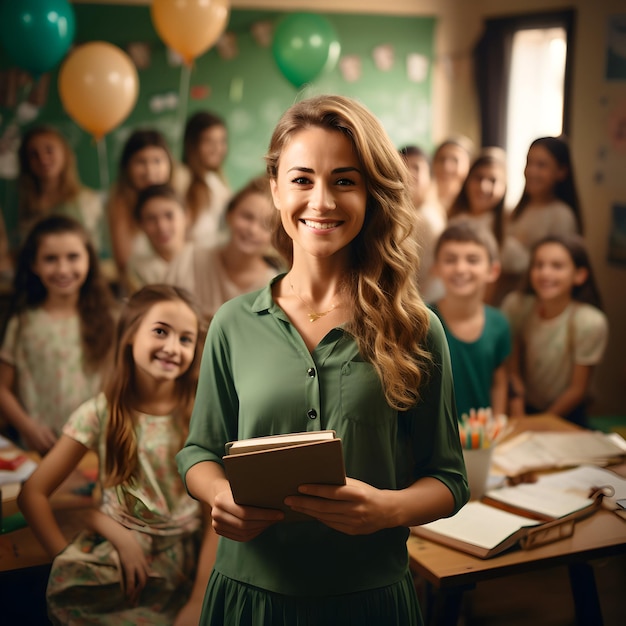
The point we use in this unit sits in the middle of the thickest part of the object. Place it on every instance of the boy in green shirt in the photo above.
(466, 261)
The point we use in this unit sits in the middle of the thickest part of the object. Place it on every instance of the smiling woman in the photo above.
(341, 342)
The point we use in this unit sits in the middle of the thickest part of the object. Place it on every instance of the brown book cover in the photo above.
(266, 477)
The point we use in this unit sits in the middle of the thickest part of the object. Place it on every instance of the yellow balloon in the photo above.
(190, 27)
(98, 86)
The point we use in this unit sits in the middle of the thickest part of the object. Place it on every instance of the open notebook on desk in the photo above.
(535, 450)
(527, 515)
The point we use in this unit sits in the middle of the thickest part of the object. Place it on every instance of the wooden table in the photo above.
(451, 572)
(20, 548)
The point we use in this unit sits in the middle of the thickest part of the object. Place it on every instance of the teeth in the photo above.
(321, 225)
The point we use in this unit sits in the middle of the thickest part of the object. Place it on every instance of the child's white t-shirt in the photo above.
(552, 347)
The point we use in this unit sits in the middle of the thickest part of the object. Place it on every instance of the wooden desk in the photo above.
(21, 549)
(451, 572)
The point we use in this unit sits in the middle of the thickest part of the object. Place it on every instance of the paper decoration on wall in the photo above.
(262, 33)
(617, 235)
(416, 67)
(383, 57)
(173, 58)
(9, 146)
(617, 127)
(235, 92)
(200, 92)
(164, 102)
(140, 54)
(26, 113)
(17, 85)
(227, 46)
(350, 67)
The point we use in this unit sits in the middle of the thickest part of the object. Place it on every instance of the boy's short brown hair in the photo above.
(463, 230)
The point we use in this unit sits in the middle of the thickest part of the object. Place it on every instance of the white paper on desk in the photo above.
(583, 479)
(20, 474)
(545, 450)
(547, 499)
(480, 524)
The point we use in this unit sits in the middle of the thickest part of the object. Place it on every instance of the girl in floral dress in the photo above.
(137, 561)
(58, 336)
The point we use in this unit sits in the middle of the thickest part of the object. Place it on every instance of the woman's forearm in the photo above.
(424, 501)
(205, 480)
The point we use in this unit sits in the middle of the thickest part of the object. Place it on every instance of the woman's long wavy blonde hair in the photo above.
(390, 321)
(121, 447)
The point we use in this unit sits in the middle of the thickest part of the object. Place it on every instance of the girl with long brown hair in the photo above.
(342, 341)
(145, 160)
(205, 147)
(56, 341)
(140, 559)
(49, 183)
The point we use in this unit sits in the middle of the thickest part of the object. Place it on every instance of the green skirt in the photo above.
(231, 603)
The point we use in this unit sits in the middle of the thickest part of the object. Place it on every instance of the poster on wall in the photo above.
(617, 235)
(616, 47)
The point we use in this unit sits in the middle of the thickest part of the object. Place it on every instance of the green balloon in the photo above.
(305, 45)
(36, 33)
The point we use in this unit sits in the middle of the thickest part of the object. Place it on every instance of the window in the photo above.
(522, 68)
(535, 97)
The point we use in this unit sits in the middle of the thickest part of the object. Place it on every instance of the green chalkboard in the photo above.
(248, 89)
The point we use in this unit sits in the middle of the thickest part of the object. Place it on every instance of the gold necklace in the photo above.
(313, 315)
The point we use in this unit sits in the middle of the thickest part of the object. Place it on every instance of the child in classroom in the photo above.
(479, 338)
(430, 218)
(549, 204)
(559, 330)
(161, 215)
(205, 147)
(144, 557)
(48, 183)
(56, 341)
(145, 160)
(481, 198)
(245, 262)
(451, 161)
(342, 341)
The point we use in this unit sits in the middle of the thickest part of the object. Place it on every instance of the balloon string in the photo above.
(183, 97)
(103, 163)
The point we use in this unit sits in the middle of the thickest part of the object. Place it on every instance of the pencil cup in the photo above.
(477, 463)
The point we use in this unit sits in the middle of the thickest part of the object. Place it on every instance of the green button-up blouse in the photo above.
(258, 378)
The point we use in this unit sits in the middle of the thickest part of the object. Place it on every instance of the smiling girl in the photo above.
(49, 184)
(342, 341)
(549, 204)
(141, 560)
(559, 330)
(57, 339)
(145, 161)
(244, 263)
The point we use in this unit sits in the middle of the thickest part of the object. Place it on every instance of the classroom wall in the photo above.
(600, 169)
